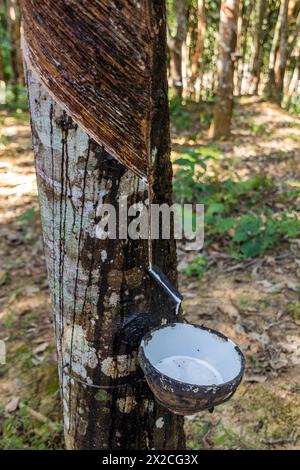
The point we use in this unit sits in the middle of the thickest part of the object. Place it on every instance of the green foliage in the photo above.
(180, 116)
(13, 98)
(292, 104)
(4, 42)
(5, 139)
(258, 129)
(191, 167)
(294, 309)
(21, 431)
(231, 208)
(28, 216)
(251, 235)
(196, 268)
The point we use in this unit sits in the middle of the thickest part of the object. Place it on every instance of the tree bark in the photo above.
(294, 82)
(242, 42)
(103, 300)
(1, 68)
(257, 43)
(197, 57)
(292, 40)
(277, 58)
(281, 58)
(175, 44)
(14, 25)
(227, 45)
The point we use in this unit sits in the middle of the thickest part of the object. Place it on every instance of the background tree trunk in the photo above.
(197, 57)
(257, 43)
(14, 25)
(1, 68)
(103, 300)
(224, 101)
(281, 58)
(242, 42)
(278, 41)
(175, 44)
(294, 81)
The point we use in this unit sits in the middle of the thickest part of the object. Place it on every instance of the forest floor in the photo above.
(254, 300)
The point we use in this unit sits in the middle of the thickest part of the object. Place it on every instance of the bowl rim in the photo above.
(185, 388)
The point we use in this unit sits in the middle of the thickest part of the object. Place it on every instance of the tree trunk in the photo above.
(294, 82)
(281, 58)
(278, 54)
(14, 25)
(227, 45)
(175, 44)
(292, 41)
(103, 300)
(242, 41)
(257, 43)
(197, 57)
(1, 68)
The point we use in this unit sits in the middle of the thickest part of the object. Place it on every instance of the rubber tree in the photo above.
(103, 300)
(14, 25)
(257, 46)
(175, 44)
(227, 45)
(281, 57)
(277, 57)
(243, 25)
(197, 56)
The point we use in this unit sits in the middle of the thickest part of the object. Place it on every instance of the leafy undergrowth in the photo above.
(246, 215)
(246, 280)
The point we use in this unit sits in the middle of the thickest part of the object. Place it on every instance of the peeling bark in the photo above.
(227, 45)
(103, 300)
(97, 59)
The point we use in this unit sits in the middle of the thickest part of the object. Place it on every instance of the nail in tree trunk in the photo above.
(257, 43)
(175, 44)
(227, 44)
(103, 300)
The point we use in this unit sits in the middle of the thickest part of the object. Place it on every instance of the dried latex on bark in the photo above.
(94, 58)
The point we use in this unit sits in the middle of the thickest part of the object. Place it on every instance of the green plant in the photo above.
(251, 235)
(179, 115)
(21, 431)
(258, 129)
(197, 267)
(190, 167)
(294, 309)
(27, 216)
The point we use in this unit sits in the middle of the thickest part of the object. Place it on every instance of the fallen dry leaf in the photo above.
(255, 378)
(12, 405)
(40, 348)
